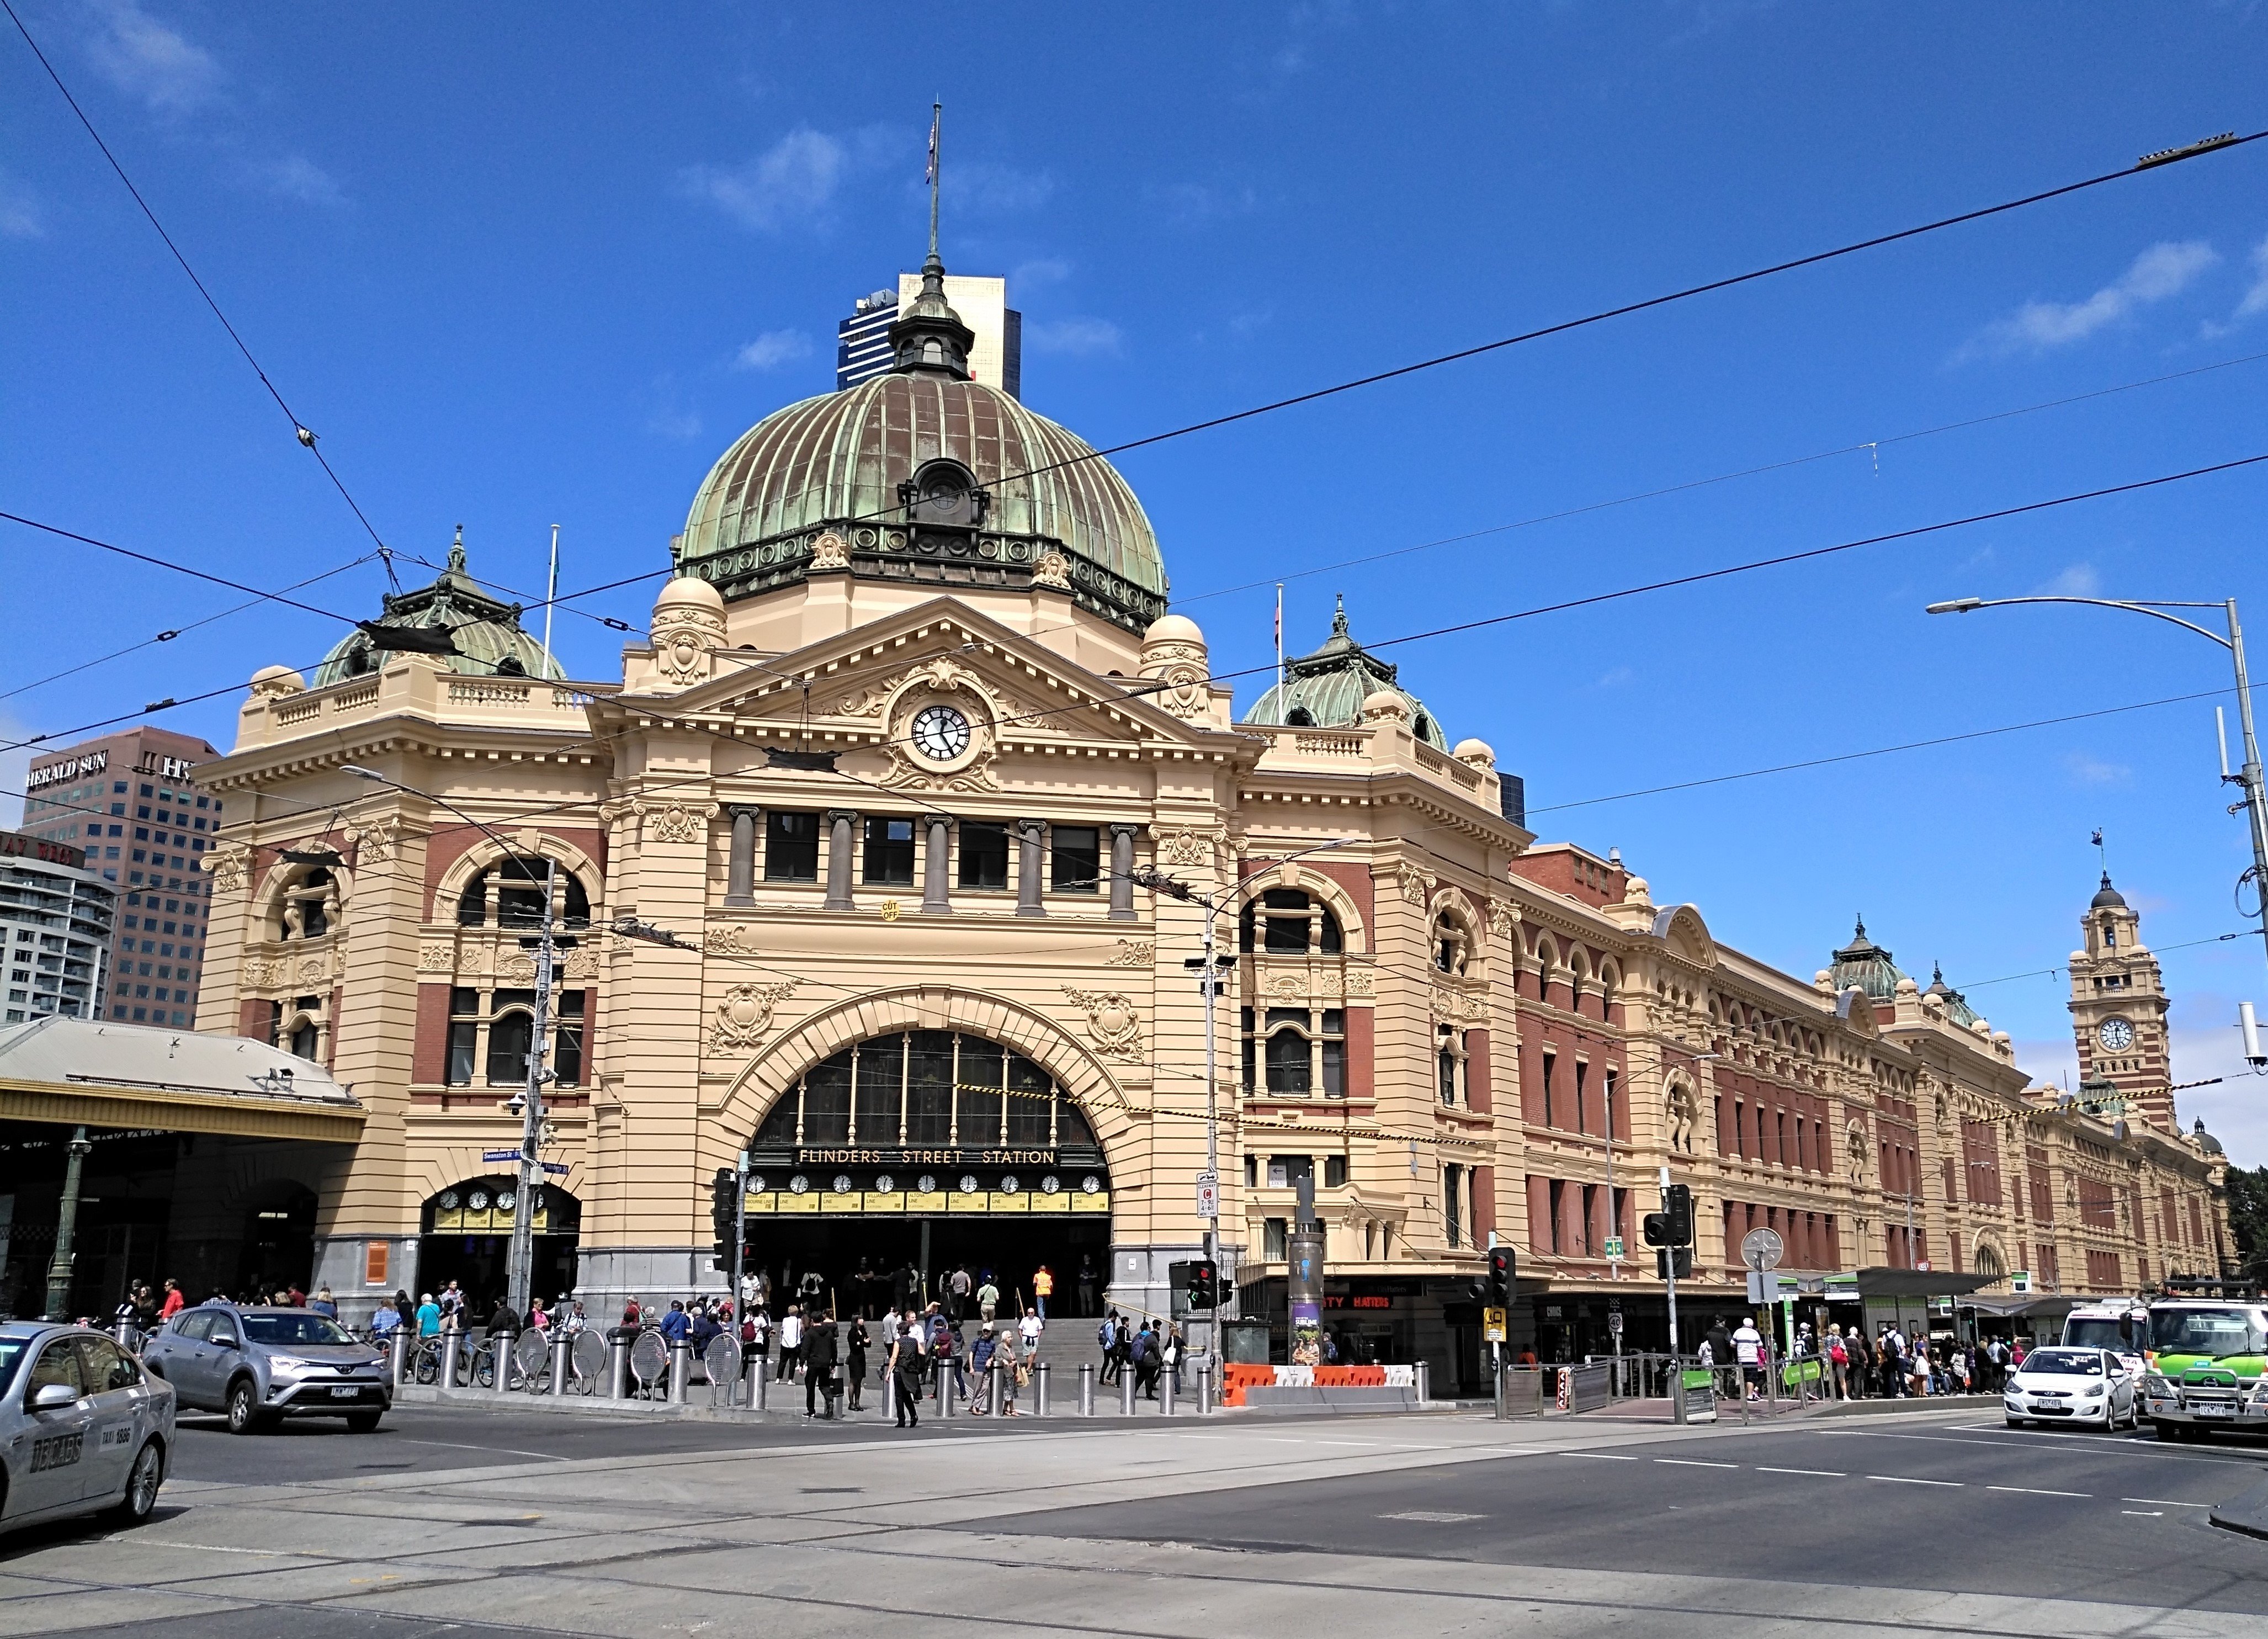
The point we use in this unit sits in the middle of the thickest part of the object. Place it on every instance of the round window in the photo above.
(755, 1181)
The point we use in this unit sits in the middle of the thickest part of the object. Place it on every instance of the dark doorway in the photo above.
(1012, 1247)
(467, 1239)
(278, 1249)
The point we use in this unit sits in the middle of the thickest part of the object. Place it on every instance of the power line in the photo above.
(298, 428)
(145, 558)
(1722, 477)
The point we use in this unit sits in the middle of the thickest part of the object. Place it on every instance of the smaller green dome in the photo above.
(1326, 689)
(1868, 965)
(486, 632)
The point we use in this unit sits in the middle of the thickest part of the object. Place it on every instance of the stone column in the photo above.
(1121, 872)
(740, 875)
(936, 898)
(1031, 859)
(841, 847)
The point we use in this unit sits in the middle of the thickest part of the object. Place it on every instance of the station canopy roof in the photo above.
(91, 1071)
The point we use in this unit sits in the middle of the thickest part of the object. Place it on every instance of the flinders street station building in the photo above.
(881, 798)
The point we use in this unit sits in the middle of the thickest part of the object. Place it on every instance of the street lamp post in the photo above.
(519, 1265)
(2248, 777)
(1149, 876)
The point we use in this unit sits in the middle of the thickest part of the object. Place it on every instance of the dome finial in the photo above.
(928, 334)
(457, 550)
(1339, 619)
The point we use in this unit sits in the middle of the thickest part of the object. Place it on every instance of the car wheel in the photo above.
(363, 1422)
(141, 1498)
(2169, 1432)
(245, 1416)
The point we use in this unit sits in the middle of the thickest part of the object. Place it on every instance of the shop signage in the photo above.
(15, 845)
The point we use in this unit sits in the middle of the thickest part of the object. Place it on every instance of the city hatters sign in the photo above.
(893, 1157)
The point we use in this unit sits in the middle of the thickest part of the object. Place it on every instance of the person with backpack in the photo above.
(980, 1362)
(1107, 1335)
(1143, 1354)
(905, 1367)
(820, 1345)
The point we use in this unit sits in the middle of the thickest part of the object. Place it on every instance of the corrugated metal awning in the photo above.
(88, 1072)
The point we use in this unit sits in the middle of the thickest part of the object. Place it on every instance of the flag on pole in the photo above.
(935, 113)
(2098, 839)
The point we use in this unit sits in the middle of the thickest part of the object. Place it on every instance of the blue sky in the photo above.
(537, 266)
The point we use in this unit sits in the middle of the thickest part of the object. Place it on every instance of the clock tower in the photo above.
(2118, 1009)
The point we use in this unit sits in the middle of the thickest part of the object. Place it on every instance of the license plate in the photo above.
(346, 1393)
(2213, 1411)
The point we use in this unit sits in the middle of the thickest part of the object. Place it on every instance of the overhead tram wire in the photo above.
(298, 428)
(145, 558)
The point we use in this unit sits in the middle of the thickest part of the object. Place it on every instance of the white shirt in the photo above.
(1029, 1326)
(1748, 1343)
(791, 1331)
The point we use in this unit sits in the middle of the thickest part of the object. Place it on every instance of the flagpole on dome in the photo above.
(1282, 708)
(936, 123)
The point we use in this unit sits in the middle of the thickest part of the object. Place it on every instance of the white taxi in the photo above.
(2077, 1385)
(82, 1429)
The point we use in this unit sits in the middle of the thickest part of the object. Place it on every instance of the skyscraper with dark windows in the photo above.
(131, 801)
(862, 342)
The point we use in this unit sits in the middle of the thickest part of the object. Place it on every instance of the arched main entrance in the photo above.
(923, 1150)
(466, 1237)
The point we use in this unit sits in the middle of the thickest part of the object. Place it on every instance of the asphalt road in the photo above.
(1973, 1508)
(419, 1439)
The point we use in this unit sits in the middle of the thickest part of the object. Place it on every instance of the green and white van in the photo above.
(2205, 1360)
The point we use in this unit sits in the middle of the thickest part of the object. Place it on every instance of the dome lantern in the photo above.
(484, 631)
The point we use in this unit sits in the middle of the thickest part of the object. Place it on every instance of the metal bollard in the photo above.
(1168, 1395)
(994, 1402)
(681, 1370)
(506, 1360)
(405, 1348)
(563, 1361)
(1424, 1374)
(890, 1394)
(1503, 1409)
(1205, 1390)
(1125, 1392)
(946, 1397)
(1040, 1389)
(452, 1354)
(618, 1367)
(1087, 1389)
(752, 1381)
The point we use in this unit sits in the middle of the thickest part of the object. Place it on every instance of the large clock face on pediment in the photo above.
(939, 732)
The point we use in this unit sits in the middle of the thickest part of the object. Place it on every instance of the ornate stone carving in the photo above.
(1112, 1023)
(1417, 882)
(746, 1014)
(1286, 987)
(1360, 983)
(1131, 952)
(867, 703)
(828, 552)
(581, 963)
(437, 957)
(1502, 916)
(313, 970)
(1854, 1151)
(684, 642)
(374, 842)
(226, 866)
(1681, 1110)
(732, 940)
(519, 966)
(258, 972)
(677, 822)
(1186, 847)
(1181, 668)
(1053, 570)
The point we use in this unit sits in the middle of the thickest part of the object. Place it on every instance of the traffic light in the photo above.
(1656, 1228)
(1683, 1257)
(725, 1215)
(1197, 1280)
(1503, 1271)
(1677, 1206)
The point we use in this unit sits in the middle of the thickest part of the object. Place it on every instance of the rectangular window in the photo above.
(567, 1050)
(791, 847)
(1251, 1052)
(1077, 853)
(1453, 1215)
(983, 856)
(890, 853)
(1334, 1172)
(1276, 1240)
(1550, 1063)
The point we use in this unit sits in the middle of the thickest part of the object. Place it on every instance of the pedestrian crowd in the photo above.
(1894, 1364)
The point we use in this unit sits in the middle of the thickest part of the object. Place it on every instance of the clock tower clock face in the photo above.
(939, 732)
(2115, 1035)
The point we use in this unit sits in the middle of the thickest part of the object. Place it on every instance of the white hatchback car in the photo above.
(2063, 1384)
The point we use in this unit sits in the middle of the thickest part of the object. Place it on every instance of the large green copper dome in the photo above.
(923, 474)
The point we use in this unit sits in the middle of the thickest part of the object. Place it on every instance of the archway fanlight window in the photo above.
(1287, 922)
(927, 1087)
(517, 887)
(487, 1206)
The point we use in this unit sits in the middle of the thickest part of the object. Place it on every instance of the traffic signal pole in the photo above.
(1676, 1359)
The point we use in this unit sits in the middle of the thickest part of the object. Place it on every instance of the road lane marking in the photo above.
(1819, 1473)
(2036, 1491)
(1687, 1462)
(1907, 1480)
(2163, 1502)
(2144, 1513)
(1603, 1457)
(1427, 1516)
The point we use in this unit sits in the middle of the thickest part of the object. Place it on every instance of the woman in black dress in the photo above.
(855, 1357)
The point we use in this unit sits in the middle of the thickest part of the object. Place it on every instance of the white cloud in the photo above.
(2088, 771)
(20, 216)
(1193, 204)
(1074, 338)
(2164, 269)
(790, 184)
(146, 59)
(2079, 581)
(300, 177)
(1615, 676)
(2255, 299)
(773, 349)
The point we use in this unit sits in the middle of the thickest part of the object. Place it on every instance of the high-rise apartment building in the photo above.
(131, 803)
(862, 342)
(56, 918)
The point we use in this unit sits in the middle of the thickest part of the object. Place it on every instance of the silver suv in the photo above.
(258, 1364)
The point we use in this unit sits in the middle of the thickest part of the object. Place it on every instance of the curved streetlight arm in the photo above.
(1962, 606)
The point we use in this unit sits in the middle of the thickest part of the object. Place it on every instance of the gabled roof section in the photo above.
(74, 1071)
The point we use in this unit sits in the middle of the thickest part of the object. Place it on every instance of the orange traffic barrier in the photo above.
(1237, 1378)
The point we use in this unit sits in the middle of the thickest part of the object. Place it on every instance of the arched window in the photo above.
(517, 885)
(1286, 921)
(305, 912)
(307, 1039)
(928, 1089)
(1299, 716)
(510, 1036)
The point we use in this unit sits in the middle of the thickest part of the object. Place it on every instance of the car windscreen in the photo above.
(13, 1351)
(2102, 1331)
(2065, 1362)
(2215, 1331)
(301, 1329)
